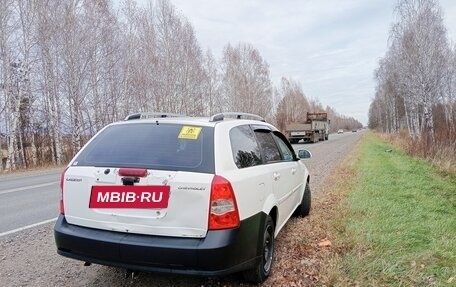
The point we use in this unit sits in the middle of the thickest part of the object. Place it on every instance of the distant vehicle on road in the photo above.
(314, 129)
(354, 130)
(341, 131)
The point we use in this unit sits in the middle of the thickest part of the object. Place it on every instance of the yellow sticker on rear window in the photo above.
(189, 133)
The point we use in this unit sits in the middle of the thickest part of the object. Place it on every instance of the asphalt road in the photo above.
(28, 198)
(326, 154)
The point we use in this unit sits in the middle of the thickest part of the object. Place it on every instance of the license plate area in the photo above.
(129, 196)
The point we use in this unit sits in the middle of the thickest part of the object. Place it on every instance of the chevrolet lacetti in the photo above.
(174, 194)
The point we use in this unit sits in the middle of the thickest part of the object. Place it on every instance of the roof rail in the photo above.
(236, 115)
(141, 116)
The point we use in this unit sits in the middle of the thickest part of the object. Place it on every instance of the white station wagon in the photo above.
(198, 196)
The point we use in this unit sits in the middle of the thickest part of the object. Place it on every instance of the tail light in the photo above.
(62, 180)
(223, 210)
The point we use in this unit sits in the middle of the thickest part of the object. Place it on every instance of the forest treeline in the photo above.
(68, 68)
(416, 83)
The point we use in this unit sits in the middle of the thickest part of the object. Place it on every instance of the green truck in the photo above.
(314, 129)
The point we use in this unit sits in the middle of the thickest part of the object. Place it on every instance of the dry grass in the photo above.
(331, 214)
(445, 158)
(32, 169)
(442, 153)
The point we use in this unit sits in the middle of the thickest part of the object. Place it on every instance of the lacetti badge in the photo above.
(149, 196)
(73, 179)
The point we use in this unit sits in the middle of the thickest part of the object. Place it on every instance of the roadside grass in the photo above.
(394, 223)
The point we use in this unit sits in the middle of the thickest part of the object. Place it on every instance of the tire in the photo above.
(262, 269)
(326, 137)
(304, 208)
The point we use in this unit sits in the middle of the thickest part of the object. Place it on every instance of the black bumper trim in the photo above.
(221, 252)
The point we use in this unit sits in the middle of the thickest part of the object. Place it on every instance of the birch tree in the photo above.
(100, 106)
(48, 28)
(212, 95)
(10, 101)
(245, 82)
(449, 92)
(421, 36)
(27, 16)
(416, 75)
(179, 68)
(5, 34)
(293, 106)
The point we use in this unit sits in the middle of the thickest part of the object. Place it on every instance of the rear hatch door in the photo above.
(143, 178)
(165, 203)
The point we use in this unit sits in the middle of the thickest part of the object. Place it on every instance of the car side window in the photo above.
(287, 154)
(244, 146)
(268, 145)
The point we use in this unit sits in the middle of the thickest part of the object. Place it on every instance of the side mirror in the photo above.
(303, 153)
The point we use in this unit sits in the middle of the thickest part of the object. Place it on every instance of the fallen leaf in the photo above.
(325, 243)
(450, 280)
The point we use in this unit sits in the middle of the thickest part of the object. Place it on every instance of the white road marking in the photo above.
(27, 227)
(27, 187)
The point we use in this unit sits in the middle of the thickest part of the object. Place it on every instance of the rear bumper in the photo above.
(221, 252)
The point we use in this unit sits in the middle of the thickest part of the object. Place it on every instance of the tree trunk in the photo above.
(428, 126)
(22, 155)
(12, 134)
(33, 150)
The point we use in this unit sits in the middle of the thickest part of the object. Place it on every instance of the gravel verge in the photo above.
(29, 258)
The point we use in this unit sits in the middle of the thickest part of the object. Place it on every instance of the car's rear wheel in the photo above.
(304, 208)
(263, 268)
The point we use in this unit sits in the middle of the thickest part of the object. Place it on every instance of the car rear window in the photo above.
(154, 146)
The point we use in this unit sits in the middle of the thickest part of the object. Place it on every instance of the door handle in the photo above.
(293, 170)
(276, 176)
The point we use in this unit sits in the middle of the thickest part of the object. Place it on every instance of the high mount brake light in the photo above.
(137, 172)
(223, 210)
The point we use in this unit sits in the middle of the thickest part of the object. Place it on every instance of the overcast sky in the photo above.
(331, 47)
